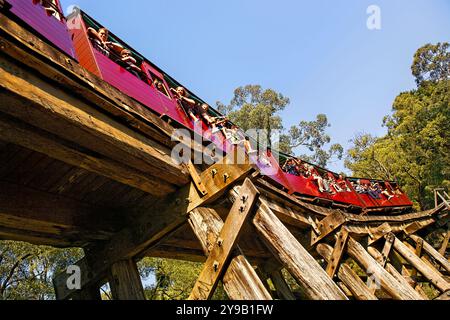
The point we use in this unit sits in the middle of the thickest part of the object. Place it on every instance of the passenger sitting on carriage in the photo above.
(397, 191)
(312, 172)
(248, 147)
(290, 167)
(359, 188)
(231, 133)
(160, 86)
(374, 191)
(182, 96)
(129, 63)
(48, 5)
(327, 183)
(343, 184)
(333, 183)
(216, 123)
(100, 41)
(386, 193)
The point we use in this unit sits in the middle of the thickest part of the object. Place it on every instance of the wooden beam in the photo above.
(311, 277)
(152, 226)
(281, 286)
(18, 132)
(351, 280)
(390, 238)
(29, 98)
(432, 252)
(240, 279)
(220, 255)
(444, 245)
(404, 280)
(196, 179)
(329, 224)
(338, 252)
(125, 281)
(49, 63)
(433, 276)
(386, 280)
(54, 216)
(91, 293)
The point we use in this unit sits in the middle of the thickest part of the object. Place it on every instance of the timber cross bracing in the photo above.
(83, 165)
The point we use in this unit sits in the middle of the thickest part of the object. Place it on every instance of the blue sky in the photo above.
(318, 53)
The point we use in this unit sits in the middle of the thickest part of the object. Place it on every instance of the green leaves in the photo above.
(255, 108)
(415, 150)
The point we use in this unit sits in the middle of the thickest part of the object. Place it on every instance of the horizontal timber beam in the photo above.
(155, 224)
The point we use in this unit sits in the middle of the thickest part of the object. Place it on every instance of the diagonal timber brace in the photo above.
(221, 253)
(152, 226)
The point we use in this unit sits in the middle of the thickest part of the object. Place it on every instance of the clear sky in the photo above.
(318, 53)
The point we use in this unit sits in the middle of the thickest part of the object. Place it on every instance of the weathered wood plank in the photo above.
(19, 133)
(351, 280)
(432, 252)
(153, 225)
(240, 279)
(125, 281)
(338, 252)
(434, 277)
(311, 277)
(281, 286)
(220, 255)
(404, 280)
(386, 280)
(31, 99)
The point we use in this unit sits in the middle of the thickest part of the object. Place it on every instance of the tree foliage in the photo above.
(173, 280)
(252, 107)
(26, 271)
(415, 150)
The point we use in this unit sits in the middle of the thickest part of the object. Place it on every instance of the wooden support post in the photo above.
(387, 249)
(418, 251)
(395, 289)
(404, 280)
(432, 275)
(445, 244)
(197, 179)
(328, 225)
(351, 280)
(314, 281)
(444, 297)
(220, 255)
(281, 286)
(125, 281)
(338, 252)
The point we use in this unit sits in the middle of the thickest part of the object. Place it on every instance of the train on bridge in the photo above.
(98, 50)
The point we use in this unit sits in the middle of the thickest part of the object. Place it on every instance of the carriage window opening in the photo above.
(51, 8)
(159, 85)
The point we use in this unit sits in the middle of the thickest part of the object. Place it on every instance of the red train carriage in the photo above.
(46, 18)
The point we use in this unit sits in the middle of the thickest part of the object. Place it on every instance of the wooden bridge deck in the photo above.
(83, 165)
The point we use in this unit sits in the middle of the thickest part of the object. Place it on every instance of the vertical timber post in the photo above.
(125, 281)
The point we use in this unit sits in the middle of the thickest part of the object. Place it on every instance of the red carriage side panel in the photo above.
(83, 46)
(52, 28)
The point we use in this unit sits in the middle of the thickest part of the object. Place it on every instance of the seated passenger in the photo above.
(343, 184)
(290, 167)
(316, 177)
(374, 191)
(189, 105)
(248, 147)
(333, 183)
(397, 191)
(386, 193)
(129, 63)
(326, 183)
(215, 123)
(231, 133)
(48, 5)
(159, 86)
(100, 41)
(359, 188)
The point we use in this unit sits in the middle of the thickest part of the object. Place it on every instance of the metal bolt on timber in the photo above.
(216, 266)
(214, 173)
(226, 176)
(220, 242)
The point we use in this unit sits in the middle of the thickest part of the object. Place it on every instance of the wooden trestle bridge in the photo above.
(82, 165)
